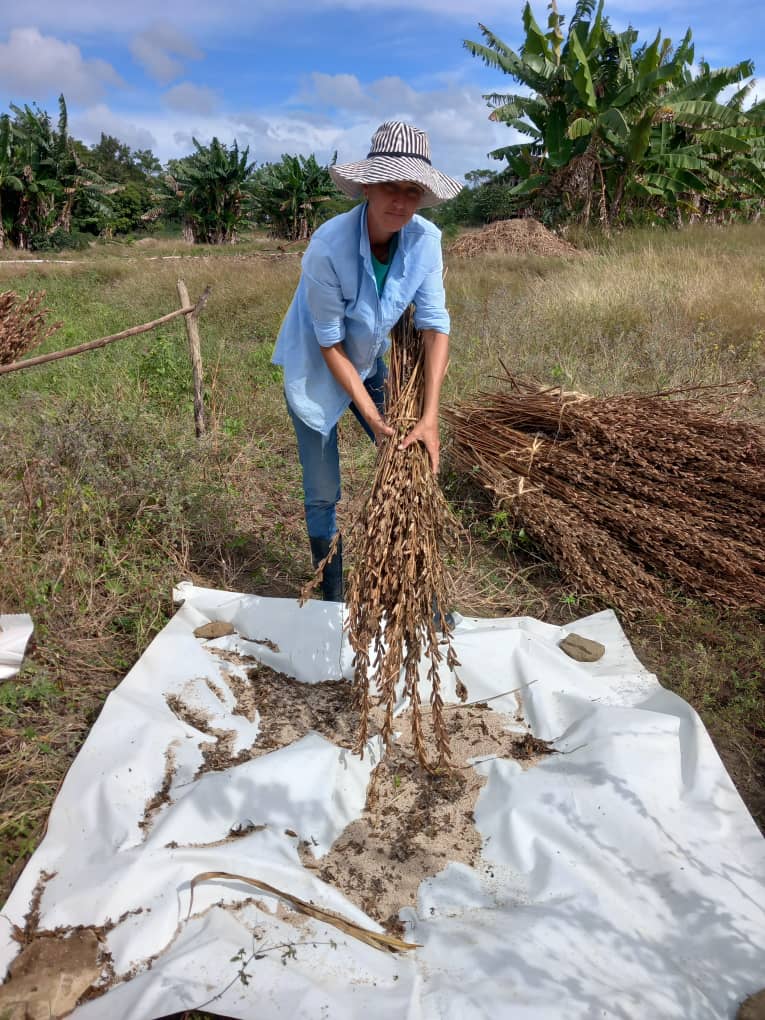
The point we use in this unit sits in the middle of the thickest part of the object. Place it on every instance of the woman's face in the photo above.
(391, 204)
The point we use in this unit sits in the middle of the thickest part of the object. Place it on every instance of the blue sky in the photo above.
(303, 77)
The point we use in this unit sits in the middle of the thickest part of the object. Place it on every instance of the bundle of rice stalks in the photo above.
(397, 588)
(512, 237)
(629, 496)
(22, 324)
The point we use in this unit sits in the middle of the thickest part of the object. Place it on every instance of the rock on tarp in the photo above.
(621, 877)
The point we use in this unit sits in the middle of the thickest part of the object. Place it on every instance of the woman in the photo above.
(360, 272)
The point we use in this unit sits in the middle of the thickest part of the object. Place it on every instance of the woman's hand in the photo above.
(381, 430)
(425, 432)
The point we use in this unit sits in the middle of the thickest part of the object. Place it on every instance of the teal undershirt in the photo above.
(381, 268)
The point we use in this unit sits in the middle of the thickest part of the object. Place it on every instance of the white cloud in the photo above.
(713, 25)
(87, 125)
(189, 98)
(157, 48)
(331, 113)
(269, 135)
(339, 91)
(394, 91)
(454, 115)
(757, 95)
(34, 66)
(345, 92)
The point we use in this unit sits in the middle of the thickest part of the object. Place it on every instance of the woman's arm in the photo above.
(344, 372)
(327, 308)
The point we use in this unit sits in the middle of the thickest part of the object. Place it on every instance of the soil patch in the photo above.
(752, 1008)
(529, 750)
(290, 709)
(243, 695)
(512, 237)
(51, 973)
(56, 968)
(234, 833)
(218, 753)
(212, 686)
(415, 822)
(266, 642)
(162, 796)
(192, 716)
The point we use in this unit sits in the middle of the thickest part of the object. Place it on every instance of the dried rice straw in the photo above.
(378, 940)
(22, 324)
(397, 589)
(628, 495)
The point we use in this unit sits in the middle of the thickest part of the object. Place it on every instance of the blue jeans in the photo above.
(320, 461)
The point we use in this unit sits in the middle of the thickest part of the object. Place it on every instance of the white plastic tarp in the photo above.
(621, 879)
(15, 631)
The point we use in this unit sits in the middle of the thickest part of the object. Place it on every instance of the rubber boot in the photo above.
(332, 581)
(438, 620)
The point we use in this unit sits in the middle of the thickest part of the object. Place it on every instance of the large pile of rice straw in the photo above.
(632, 497)
(525, 236)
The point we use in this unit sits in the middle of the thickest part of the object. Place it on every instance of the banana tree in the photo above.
(608, 114)
(9, 179)
(208, 191)
(52, 175)
(288, 196)
(539, 114)
(555, 70)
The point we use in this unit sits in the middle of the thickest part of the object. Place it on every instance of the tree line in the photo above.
(56, 192)
(615, 131)
(619, 130)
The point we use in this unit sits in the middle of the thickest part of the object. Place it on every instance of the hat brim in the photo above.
(437, 187)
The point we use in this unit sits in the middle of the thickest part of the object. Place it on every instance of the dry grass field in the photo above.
(107, 498)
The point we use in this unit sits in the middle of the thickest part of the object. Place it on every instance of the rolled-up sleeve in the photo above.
(430, 299)
(323, 295)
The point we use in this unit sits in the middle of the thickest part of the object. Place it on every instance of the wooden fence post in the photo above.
(192, 331)
(92, 345)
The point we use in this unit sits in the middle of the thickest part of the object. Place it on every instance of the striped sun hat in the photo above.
(399, 152)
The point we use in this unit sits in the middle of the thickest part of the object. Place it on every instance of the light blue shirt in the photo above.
(337, 300)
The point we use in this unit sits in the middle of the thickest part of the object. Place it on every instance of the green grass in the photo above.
(643, 312)
(107, 499)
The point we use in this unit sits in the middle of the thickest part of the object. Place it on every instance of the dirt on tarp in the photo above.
(414, 822)
(413, 825)
(56, 968)
(162, 796)
(50, 974)
(752, 1008)
(290, 709)
(512, 237)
